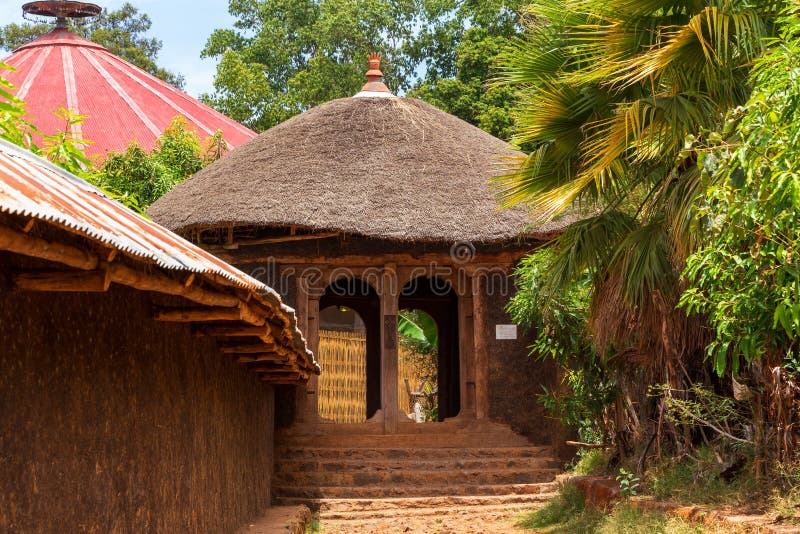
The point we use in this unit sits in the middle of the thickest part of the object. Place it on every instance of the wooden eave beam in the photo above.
(99, 272)
(257, 348)
(211, 314)
(233, 245)
(482, 259)
(63, 281)
(282, 381)
(28, 245)
(258, 358)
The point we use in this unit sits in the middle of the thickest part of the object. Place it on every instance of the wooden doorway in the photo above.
(356, 306)
(437, 299)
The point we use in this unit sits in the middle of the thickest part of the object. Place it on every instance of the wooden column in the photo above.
(307, 310)
(312, 340)
(481, 332)
(389, 295)
(466, 348)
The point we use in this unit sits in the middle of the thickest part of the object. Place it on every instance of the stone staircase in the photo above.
(352, 470)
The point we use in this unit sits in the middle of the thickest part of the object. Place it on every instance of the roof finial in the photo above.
(61, 10)
(375, 76)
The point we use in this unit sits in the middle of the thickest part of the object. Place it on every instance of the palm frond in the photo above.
(587, 245)
(642, 258)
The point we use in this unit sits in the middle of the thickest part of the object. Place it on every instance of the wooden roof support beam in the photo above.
(282, 373)
(259, 348)
(282, 381)
(36, 247)
(258, 358)
(67, 281)
(233, 245)
(207, 315)
(28, 245)
(99, 280)
(159, 283)
(261, 332)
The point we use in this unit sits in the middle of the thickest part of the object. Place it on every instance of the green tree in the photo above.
(144, 177)
(611, 92)
(284, 56)
(122, 31)
(467, 94)
(746, 276)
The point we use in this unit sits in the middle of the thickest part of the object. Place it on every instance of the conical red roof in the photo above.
(122, 101)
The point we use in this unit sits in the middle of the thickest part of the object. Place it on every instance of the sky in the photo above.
(183, 26)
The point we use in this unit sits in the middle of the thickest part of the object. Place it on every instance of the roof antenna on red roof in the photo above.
(61, 10)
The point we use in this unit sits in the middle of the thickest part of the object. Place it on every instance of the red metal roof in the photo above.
(123, 102)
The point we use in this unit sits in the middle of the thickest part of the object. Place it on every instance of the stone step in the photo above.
(545, 491)
(420, 462)
(416, 477)
(375, 452)
(306, 493)
(460, 440)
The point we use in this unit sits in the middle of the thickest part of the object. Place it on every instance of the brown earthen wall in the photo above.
(112, 422)
(515, 379)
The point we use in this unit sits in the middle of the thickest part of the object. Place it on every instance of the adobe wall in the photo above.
(112, 422)
(515, 378)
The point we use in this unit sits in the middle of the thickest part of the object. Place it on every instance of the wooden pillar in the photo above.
(481, 330)
(389, 295)
(312, 340)
(307, 310)
(466, 348)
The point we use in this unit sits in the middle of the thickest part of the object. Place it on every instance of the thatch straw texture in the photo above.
(394, 168)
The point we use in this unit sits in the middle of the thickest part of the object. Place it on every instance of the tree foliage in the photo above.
(611, 91)
(122, 31)
(143, 177)
(746, 277)
(284, 56)
(618, 101)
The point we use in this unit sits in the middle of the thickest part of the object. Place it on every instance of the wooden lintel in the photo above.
(58, 281)
(233, 245)
(257, 348)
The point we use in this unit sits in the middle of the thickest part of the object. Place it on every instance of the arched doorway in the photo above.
(418, 366)
(436, 299)
(351, 307)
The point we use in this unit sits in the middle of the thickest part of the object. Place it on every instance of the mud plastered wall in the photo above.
(516, 378)
(112, 422)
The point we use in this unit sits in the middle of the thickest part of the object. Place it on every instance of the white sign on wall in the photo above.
(505, 331)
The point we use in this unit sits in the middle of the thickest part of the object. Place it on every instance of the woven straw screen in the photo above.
(343, 383)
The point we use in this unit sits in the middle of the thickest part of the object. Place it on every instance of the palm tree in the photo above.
(619, 100)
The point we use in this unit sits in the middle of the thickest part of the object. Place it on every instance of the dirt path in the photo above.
(484, 520)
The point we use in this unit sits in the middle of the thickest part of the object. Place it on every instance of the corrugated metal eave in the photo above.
(33, 187)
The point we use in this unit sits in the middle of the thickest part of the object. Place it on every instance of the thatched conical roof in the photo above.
(393, 168)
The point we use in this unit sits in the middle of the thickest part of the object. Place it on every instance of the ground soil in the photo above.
(451, 521)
